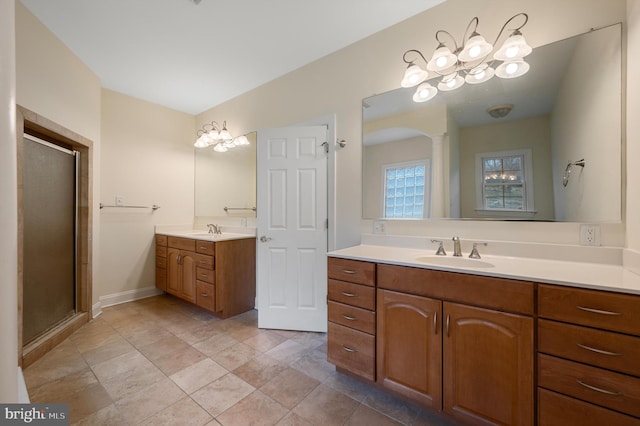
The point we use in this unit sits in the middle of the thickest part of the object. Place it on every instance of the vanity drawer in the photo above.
(205, 247)
(161, 240)
(181, 243)
(354, 271)
(602, 387)
(352, 317)
(161, 262)
(203, 261)
(601, 309)
(206, 275)
(352, 294)
(352, 350)
(605, 349)
(161, 251)
(487, 292)
(555, 409)
(205, 295)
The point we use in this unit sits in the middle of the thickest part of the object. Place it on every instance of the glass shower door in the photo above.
(49, 235)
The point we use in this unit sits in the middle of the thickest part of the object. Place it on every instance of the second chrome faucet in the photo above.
(457, 249)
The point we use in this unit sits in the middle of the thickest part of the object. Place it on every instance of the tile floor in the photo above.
(160, 361)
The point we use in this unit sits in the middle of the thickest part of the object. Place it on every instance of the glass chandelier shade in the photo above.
(220, 138)
(471, 62)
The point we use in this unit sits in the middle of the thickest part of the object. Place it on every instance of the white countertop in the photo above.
(205, 236)
(577, 274)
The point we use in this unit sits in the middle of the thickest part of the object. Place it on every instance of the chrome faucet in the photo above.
(440, 251)
(214, 229)
(474, 252)
(457, 251)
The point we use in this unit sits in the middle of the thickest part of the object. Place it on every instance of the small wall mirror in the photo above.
(546, 146)
(226, 179)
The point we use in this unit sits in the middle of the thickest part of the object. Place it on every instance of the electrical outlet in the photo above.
(119, 200)
(589, 235)
(379, 227)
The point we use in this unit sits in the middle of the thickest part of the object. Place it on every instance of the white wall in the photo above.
(147, 158)
(337, 84)
(8, 209)
(53, 82)
(580, 130)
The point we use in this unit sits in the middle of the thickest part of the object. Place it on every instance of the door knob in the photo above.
(265, 239)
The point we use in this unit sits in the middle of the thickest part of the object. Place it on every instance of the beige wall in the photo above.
(337, 84)
(584, 125)
(52, 82)
(147, 158)
(633, 126)
(530, 133)
(8, 209)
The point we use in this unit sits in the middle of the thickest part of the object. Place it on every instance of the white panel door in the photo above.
(292, 234)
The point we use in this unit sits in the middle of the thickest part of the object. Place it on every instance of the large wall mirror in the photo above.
(226, 179)
(551, 149)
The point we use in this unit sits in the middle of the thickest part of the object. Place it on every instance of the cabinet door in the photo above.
(188, 263)
(409, 346)
(488, 366)
(173, 271)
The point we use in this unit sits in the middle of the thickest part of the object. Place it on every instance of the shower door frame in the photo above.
(36, 125)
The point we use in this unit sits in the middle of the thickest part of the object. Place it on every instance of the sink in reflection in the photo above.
(462, 262)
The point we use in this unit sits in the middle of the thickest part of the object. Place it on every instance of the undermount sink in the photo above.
(463, 262)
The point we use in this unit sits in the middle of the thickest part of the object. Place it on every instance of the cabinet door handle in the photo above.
(349, 271)
(347, 317)
(597, 389)
(435, 323)
(599, 351)
(447, 325)
(597, 311)
(179, 259)
(348, 294)
(348, 349)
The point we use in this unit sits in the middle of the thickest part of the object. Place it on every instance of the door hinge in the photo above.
(326, 223)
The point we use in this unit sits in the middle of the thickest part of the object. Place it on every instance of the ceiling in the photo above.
(191, 55)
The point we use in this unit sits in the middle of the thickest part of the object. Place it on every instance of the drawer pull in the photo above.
(597, 311)
(599, 351)
(348, 294)
(594, 388)
(203, 262)
(349, 271)
(348, 349)
(347, 317)
(204, 294)
(202, 248)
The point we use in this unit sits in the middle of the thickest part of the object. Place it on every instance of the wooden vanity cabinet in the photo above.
(472, 359)
(352, 318)
(588, 357)
(217, 276)
(161, 262)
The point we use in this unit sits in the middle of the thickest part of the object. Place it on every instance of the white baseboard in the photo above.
(23, 394)
(126, 296)
(96, 310)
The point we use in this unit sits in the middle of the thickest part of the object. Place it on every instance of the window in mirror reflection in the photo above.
(505, 180)
(405, 189)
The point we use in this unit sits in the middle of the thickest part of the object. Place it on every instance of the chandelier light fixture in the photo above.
(470, 62)
(220, 138)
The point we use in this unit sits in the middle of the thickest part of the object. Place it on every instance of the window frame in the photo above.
(426, 206)
(527, 184)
